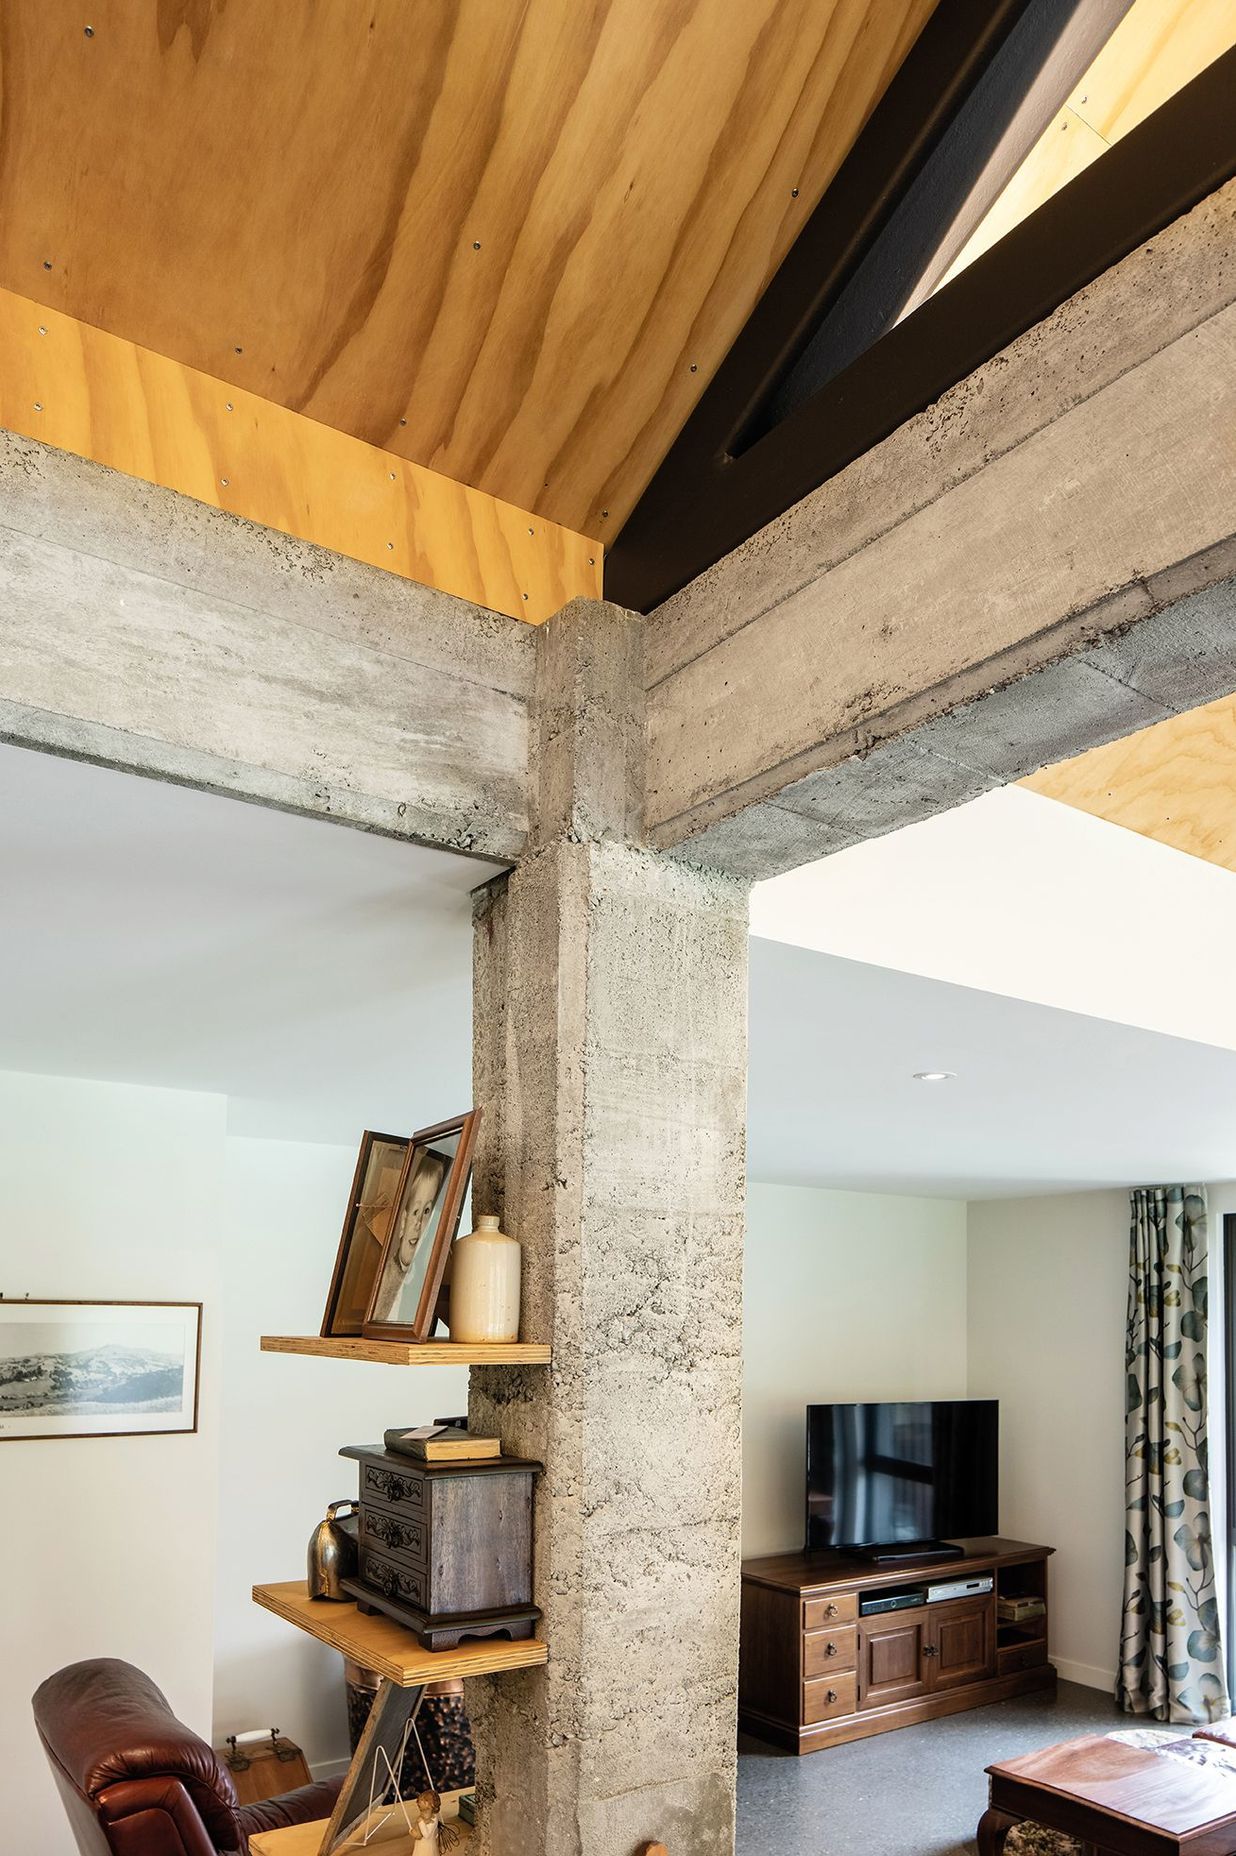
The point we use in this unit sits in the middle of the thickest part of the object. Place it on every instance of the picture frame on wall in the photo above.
(429, 1199)
(366, 1226)
(98, 1369)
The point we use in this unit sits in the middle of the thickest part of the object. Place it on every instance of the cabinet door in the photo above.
(960, 1643)
(891, 1666)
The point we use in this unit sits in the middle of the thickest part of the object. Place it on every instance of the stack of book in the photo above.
(448, 1441)
(1019, 1610)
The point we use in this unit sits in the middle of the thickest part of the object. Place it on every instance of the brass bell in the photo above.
(333, 1551)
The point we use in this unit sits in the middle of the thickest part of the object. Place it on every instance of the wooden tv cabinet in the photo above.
(815, 1671)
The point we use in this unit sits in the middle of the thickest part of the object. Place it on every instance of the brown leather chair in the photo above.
(136, 1782)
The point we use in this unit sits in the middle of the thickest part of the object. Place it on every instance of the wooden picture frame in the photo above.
(109, 1369)
(366, 1225)
(373, 1775)
(432, 1187)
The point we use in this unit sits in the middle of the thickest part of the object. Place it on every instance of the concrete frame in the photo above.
(143, 630)
(610, 1008)
(1043, 561)
(1040, 562)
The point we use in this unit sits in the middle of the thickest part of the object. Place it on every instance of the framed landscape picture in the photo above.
(98, 1369)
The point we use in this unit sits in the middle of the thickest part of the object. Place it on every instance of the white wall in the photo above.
(283, 1421)
(107, 1192)
(847, 1295)
(1047, 1295)
(146, 1548)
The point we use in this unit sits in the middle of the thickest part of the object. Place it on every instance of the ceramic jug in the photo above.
(485, 1272)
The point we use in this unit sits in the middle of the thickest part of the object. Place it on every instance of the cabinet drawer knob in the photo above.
(831, 1695)
(830, 1649)
(830, 1609)
(929, 1649)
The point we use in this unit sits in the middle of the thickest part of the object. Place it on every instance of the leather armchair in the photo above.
(136, 1782)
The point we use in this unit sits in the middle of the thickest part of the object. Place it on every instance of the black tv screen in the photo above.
(885, 1475)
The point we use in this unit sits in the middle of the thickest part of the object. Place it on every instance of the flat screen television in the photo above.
(882, 1477)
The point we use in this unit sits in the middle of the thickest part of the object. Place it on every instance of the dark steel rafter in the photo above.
(710, 495)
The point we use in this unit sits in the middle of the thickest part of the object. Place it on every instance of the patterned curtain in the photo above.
(1171, 1659)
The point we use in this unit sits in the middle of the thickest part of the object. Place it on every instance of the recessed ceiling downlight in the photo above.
(935, 1076)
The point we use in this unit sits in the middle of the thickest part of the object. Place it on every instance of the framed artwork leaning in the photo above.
(98, 1369)
(366, 1227)
(428, 1200)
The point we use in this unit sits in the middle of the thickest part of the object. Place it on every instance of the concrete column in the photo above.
(610, 1054)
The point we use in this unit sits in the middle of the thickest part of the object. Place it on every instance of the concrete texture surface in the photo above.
(610, 1059)
(1172, 660)
(143, 630)
(1173, 284)
(1052, 506)
(610, 1006)
(587, 762)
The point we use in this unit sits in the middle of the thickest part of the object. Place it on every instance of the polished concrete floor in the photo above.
(917, 1792)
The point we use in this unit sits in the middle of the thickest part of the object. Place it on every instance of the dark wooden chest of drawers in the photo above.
(445, 1548)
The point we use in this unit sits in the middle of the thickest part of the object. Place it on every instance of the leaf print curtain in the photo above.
(1171, 1659)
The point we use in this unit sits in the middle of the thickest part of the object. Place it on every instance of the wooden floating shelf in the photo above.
(378, 1643)
(412, 1352)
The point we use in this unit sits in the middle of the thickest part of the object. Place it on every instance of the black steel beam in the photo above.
(708, 496)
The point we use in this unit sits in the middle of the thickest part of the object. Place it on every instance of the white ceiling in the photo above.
(1018, 894)
(320, 979)
(1043, 1100)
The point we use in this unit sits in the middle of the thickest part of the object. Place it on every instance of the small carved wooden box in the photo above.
(445, 1548)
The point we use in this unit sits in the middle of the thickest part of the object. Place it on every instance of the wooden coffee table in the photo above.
(1125, 1799)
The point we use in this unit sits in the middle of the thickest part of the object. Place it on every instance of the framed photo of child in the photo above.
(424, 1219)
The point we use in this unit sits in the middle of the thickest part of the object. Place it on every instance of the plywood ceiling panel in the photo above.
(83, 390)
(1175, 782)
(508, 239)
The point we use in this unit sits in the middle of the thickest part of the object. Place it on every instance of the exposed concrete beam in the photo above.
(996, 586)
(145, 631)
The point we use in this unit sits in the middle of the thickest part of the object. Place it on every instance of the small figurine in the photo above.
(429, 1830)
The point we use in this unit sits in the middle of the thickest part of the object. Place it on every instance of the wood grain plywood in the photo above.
(378, 1643)
(102, 397)
(1158, 48)
(1175, 782)
(388, 1836)
(510, 242)
(410, 1353)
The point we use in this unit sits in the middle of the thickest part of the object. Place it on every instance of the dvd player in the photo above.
(890, 1601)
(959, 1588)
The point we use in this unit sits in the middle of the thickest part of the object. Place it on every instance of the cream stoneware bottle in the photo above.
(485, 1271)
